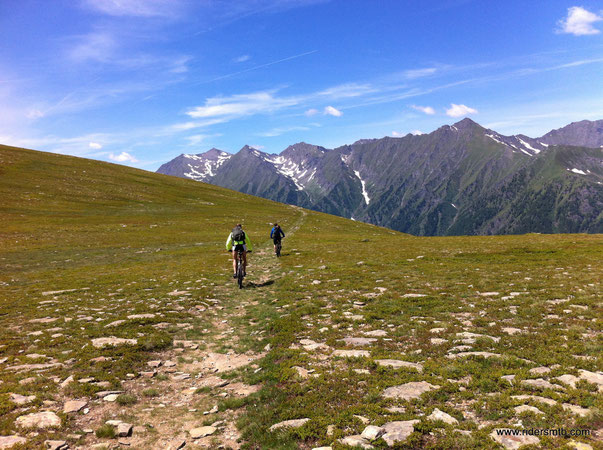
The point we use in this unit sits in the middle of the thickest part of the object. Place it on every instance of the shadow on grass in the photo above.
(253, 285)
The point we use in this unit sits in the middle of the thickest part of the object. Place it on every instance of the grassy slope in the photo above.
(132, 237)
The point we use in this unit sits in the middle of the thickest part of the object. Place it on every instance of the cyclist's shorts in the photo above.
(239, 247)
(276, 241)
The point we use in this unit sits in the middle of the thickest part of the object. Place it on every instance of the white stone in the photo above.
(43, 420)
(200, 432)
(372, 432)
(294, 423)
(441, 415)
(513, 442)
(397, 364)
(409, 391)
(398, 431)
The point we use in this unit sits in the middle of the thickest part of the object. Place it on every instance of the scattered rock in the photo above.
(10, 441)
(512, 442)
(579, 445)
(413, 295)
(141, 316)
(358, 341)
(438, 341)
(112, 341)
(536, 398)
(466, 354)
(397, 364)
(408, 391)
(376, 333)
(294, 423)
(21, 399)
(398, 431)
(526, 408)
(372, 432)
(56, 445)
(470, 338)
(42, 420)
(124, 429)
(200, 432)
(352, 353)
(441, 415)
(539, 370)
(72, 406)
(577, 410)
(362, 419)
(592, 377)
(356, 441)
(540, 383)
(176, 444)
(511, 331)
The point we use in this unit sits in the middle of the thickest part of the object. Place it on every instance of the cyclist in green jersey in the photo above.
(238, 241)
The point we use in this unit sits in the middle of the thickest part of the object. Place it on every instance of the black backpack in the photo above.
(238, 234)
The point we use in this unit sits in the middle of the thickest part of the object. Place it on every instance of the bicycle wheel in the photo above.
(240, 274)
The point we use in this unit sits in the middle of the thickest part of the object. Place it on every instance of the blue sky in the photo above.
(139, 82)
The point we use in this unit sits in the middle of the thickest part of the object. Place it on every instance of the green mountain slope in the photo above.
(91, 253)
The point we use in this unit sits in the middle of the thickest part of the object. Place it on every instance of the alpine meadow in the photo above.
(301, 225)
(121, 324)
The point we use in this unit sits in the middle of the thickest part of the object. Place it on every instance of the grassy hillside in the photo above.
(140, 256)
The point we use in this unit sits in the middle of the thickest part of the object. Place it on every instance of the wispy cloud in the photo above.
(241, 105)
(331, 111)
(579, 22)
(311, 112)
(419, 73)
(122, 157)
(425, 109)
(282, 130)
(136, 8)
(459, 110)
(95, 145)
(261, 66)
(242, 58)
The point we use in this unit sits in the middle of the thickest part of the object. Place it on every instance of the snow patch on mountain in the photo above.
(364, 193)
(204, 167)
(528, 146)
(581, 172)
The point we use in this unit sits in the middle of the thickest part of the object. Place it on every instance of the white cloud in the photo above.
(426, 109)
(96, 46)
(579, 22)
(257, 147)
(122, 157)
(95, 145)
(330, 111)
(417, 132)
(34, 114)
(283, 130)
(419, 73)
(241, 105)
(242, 58)
(311, 112)
(459, 110)
(137, 8)
(397, 134)
(346, 91)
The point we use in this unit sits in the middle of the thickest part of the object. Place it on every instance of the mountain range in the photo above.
(461, 179)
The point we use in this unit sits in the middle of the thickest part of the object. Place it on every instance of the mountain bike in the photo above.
(240, 269)
(277, 250)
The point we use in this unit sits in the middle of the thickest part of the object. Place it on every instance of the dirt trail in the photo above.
(179, 394)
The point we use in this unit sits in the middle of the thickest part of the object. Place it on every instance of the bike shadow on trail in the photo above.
(255, 285)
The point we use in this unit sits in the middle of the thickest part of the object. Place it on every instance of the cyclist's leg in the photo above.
(245, 261)
(234, 261)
